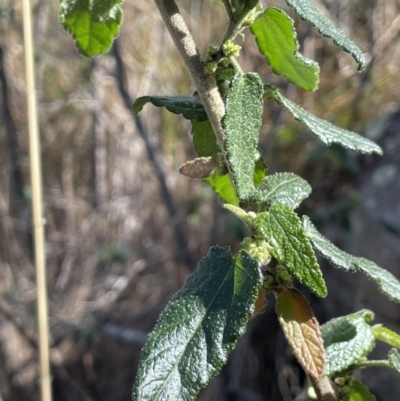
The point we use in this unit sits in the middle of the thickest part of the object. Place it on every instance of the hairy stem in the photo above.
(324, 389)
(205, 84)
(235, 25)
(229, 11)
(369, 364)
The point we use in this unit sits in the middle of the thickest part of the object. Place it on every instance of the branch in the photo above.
(228, 9)
(205, 84)
(324, 389)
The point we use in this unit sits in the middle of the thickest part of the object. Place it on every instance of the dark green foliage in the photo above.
(282, 229)
(199, 327)
(388, 284)
(204, 320)
(189, 106)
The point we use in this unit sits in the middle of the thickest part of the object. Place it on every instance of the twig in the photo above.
(179, 232)
(324, 390)
(37, 205)
(205, 84)
(228, 9)
(367, 364)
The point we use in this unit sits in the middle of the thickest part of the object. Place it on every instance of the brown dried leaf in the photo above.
(302, 331)
(201, 167)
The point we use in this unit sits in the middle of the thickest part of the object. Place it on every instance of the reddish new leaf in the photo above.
(302, 331)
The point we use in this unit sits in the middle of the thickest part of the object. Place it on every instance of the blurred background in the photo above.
(124, 228)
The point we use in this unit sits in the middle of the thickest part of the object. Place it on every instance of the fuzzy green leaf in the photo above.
(388, 284)
(198, 328)
(307, 12)
(282, 229)
(241, 124)
(277, 41)
(324, 130)
(336, 256)
(94, 24)
(394, 359)
(387, 336)
(189, 106)
(284, 188)
(204, 140)
(346, 340)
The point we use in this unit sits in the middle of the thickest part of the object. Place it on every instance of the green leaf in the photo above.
(347, 339)
(387, 336)
(189, 106)
(241, 124)
(198, 328)
(204, 140)
(388, 284)
(336, 256)
(223, 187)
(307, 12)
(302, 331)
(353, 390)
(277, 41)
(94, 24)
(282, 229)
(260, 172)
(324, 130)
(284, 188)
(394, 359)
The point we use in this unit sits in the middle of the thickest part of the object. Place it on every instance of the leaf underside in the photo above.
(394, 359)
(388, 284)
(324, 130)
(282, 229)
(284, 188)
(241, 123)
(346, 340)
(302, 331)
(308, 12)
(190, 107)
(94, 24)
(198, 328)
(277, 41)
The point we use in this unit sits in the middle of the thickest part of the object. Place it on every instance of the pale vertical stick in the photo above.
(38, 221)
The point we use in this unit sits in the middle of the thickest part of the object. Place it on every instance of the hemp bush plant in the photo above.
(204, 320)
